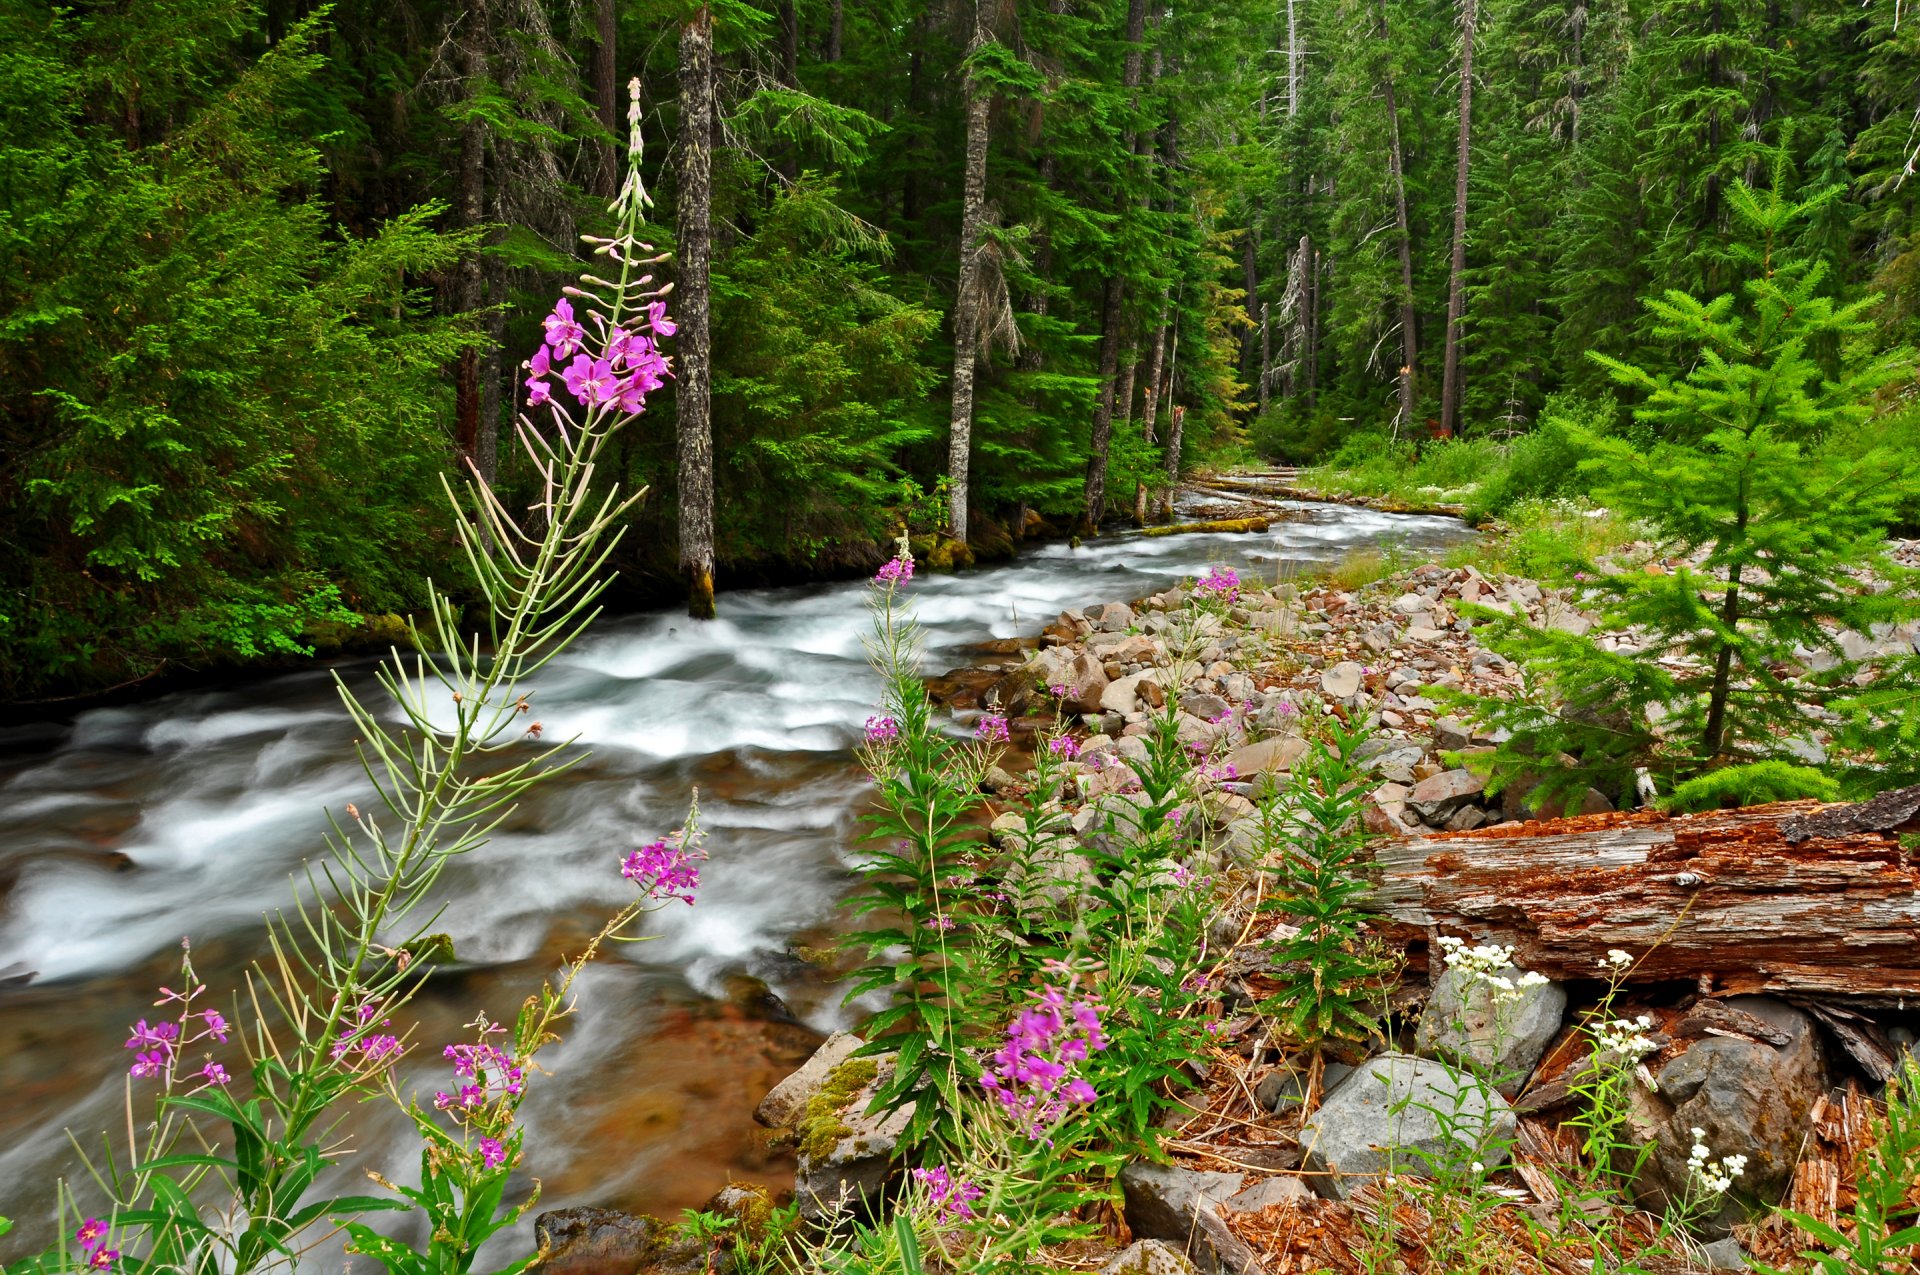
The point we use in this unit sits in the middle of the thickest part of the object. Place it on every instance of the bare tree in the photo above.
(967, 302)
(1457, 276)
(693, 392)
(1396, 172)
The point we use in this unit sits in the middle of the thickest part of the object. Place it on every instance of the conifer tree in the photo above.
(1780, 542)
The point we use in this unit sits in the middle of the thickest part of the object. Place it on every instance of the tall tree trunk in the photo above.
(788, 165)
(1312, 302)
(606, 100)
(1396, 172)
(1094, 494)
(1175, 431)
(1156, 360)
(1293, 64)
(1250, 281)
(693, 391)
(1457, 276)
(469, 386)
(836, 31)
(1266, 353)
(1123, 389)
(967, 299)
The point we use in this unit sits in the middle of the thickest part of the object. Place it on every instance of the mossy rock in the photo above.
(821, 1128)
(949, 555)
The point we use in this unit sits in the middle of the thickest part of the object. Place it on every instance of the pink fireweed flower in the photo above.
(657, 319)
(147, 1065)
(991, 730)
(1032, 1073)
(590, 380)
(563, 334)
(214, 1074)
(663, 870)
(102, 1259)
(160, 1036)
(939, 922)
(634, 390)
(1065, 747)
(538, 367)
(882, 730)
(216, 1025)
(950, 1199)
(896, 572)
(91, 1235)
(493, 1153)
(1221, 582)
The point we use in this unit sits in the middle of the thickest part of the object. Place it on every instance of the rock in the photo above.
(1006, 825)
(1748, 1098)
(1437, 796)
(1424, 633)
(1451, 736)
(786, 1102)
(1282, 1090)
(1182, 1206)
(1124, 695)
(1343, 679)
(1463, 1024)
(1084, 676)
(1466, 819)
(591, 1241)
(1410, 604)
(1725, 1255)
(1149, 1257)
(845, 1154)
(1268, 1192)
(1386, 1118)
(997, 780)
(1267, 756)
(1203, 704)
(1114, 617)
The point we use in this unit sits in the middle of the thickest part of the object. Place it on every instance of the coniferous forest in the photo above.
(269, 267)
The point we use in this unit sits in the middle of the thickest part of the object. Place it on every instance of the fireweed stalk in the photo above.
(355, 945)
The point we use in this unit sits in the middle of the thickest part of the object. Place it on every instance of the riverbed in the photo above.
(131, 828)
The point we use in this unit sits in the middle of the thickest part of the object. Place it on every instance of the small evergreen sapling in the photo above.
(1779, 540)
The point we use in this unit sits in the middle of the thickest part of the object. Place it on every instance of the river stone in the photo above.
(786, 1101)
(1181, 1206)
(1464, 1025)
(1203, 704)
(1149, 1257)
(1267, 756)
(1081, 672)
(592, 1241)
(1386, 1118)
(1113, 617)
(856, 1169)
(1750, 1099)
(1437, 796)
(1123, 696)
(1343, 679)
(1268, 1192)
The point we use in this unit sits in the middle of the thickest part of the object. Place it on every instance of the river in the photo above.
(129, 828)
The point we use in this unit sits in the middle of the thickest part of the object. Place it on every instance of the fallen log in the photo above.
(1224, 524)
(1794, 899)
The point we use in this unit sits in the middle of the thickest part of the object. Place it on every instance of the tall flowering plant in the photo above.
(228, 1127)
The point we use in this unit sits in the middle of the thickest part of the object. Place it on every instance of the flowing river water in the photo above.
(128, 828)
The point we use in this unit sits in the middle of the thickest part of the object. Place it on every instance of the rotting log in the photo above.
(1797, 899)
(1224, 524)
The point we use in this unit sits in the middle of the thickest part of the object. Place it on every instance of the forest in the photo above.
(969, 269)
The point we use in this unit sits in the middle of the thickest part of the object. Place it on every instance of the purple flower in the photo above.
(657, 319)
(538, 391)
(950, 1199)
(590, 380)
(492, 1153)
(563, 334)
(103, 1259)
(91, 1235)
(214, 1074)
(1064, 747)
(160, 1036)
(146, 1065)
(896, 572)
(634, 390)
(940, 922)
(216, 1025)
(1222, 582)
(882, 730)
(991, 729)
(1031, 1076)
(663, 870)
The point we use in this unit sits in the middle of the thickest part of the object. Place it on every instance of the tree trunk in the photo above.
(693, 390)
(1405, 233)
(1793, 898)
(966, 303)
(1713, 735)
(606, 100)
(1250, 281)
(836, 31)
(1175, 430)
(1156, 359)
(1293, 64)
(1266, 353)
(1123, 390)
(1457, 276)
(469, 387)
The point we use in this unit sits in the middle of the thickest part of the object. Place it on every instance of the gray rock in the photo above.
(1203, 704)
(1451, 735)
(1411, 604)
(591, 1241)
(1282, 1089)
(1748, 1098)
(858, 1165)
(1267, 756)
(1182, 1206)
(1401, 1114)
(1342, 680)
(1268, 1192)
(1124, 695)
(786, 1101)
(1504, 1040)
(1437, 796)
(1725, 1255)
(1149, 1257)
(1114, 617)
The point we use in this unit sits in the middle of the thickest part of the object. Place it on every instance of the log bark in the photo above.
(1786, 899)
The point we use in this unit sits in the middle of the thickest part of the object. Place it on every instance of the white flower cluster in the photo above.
(1485, 965)
(1626, 1038)
(1618, 959)
(1715, 1179)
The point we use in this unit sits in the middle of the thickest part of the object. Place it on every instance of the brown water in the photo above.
(130, 828)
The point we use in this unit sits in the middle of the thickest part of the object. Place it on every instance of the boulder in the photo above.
(1401, 1114)
(1437, 796)
(1123, 696)
(1503, 1039)
(1343, 679)
(1267, 756)
(1149, 1257)
(1283, 1089)
(786, 1102)
(592, 1241)
(1112, 617)
(1203, 704)
(1268, 1192)
(846, 1154)
(1450, 735)
(1181, 1206)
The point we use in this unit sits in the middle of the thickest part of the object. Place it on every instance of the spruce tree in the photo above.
(1734, 654)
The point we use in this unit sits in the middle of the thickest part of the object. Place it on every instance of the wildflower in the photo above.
(951, 1199)
(663, 869)
(1060, 690)
(590, 380)
(882, 730)
(991, 730)
(102, 1259)
(657, 319)
(160, 1036)
(1625, 1038)
(634, 390)
(214, 1074)
(1065, 747)
(563, 333)
(539, 367)
(216, 1025)
(897, 571)
(941, 922)
(1031, 1073)
(149, 1064)
(492, 1153)
(1618, 959)
(1714, 1179)
(91, 1235)
(1222, 582)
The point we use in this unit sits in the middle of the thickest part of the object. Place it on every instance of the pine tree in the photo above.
(1780, 540)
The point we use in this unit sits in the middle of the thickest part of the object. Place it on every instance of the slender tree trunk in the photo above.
(836, 31)
(1250, 281)
(606, 99)
(966, 305)
(469, 387)
(1714, 735)
(1397, 174)
(1176, 429)
(1312, 301)
(1293, 64)
(1450, 388)
(1156, 359)
(1094, 494)
(693, 391)
(1123, 389)
(1266, 353)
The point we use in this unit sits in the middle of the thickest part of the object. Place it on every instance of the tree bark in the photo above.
(836, 31)
(966, 303)
(469, 387)
(693, 390)
(1266, 352)
(1457, 275)
(1744, 901)
(606, 100)
(1175, 432)
(1250, 282)
(1156, 359)
(1404, 230)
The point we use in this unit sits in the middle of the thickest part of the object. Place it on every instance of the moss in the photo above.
(821, 1128)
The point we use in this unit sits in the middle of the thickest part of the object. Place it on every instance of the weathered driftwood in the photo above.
(1220, 525)
(1730, 899)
